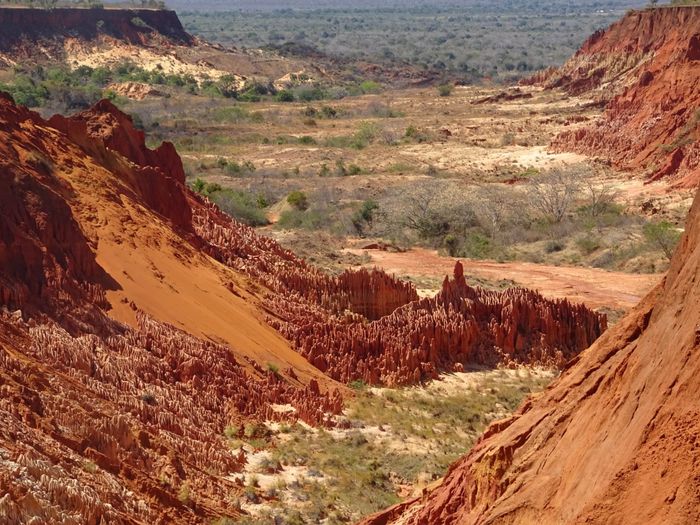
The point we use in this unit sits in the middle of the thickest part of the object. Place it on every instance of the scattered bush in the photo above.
(554, 246)
(363, 218)
(285, 96)
(445, 90)
(298, 200)
(662, 235)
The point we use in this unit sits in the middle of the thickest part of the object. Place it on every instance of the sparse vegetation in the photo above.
(397, 439)
(298, 200)
(662, 235)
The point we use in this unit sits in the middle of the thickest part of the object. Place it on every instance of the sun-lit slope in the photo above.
(614, 440)
(646, 67)
(155, 267)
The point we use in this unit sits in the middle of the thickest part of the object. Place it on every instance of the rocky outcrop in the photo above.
(646, 69)
(22, 25)
(157, 176)
(412, 340)
(613, 440)
(460, 326)
(102, 421)
(134, 90)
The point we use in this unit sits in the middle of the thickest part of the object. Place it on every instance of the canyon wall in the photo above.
(103, 420)
(645, 68)
(139, 324)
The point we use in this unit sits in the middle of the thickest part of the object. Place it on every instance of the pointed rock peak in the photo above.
(459, 271)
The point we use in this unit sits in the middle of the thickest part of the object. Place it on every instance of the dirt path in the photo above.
(595, 287)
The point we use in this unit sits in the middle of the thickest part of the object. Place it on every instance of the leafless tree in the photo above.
(554, 192)
(495, 205)
(599, 195)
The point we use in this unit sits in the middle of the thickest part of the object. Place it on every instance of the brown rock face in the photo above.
(614, 440)
(646, 69)
(135, 26)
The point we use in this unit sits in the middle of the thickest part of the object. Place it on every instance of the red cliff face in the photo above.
(135, 26)
(646, 68)
(100, 420)
(157, 176)
(614, 440)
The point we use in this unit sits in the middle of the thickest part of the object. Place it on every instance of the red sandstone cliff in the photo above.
(646, 69)
(110, 402)
(614, 440)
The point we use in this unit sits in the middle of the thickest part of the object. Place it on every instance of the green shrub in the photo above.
(587, 244)
(307, 220)
(662, 235)
(184, 494)
(309, 93)
(370, 87)
(554, 246)
(363, 218)
(235, 169)
(232, 432)
(238, 204)
(477, 246)
(298, 200)
(307, 140)
(445, 90)
(285, 96)
(365, 134)
(199, 185)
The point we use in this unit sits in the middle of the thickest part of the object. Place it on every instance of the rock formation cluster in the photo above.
(645, 68)
(371, 327)
(461, 325)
